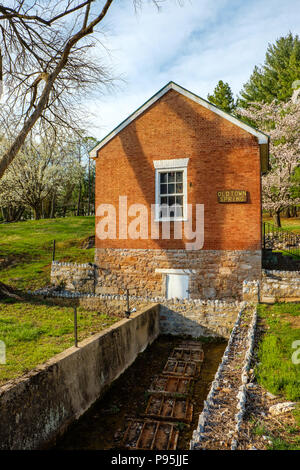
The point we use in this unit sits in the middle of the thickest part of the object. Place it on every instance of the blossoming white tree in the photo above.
(282, 122)
(46, 164)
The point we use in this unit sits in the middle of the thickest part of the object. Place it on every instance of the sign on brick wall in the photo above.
(232, 195)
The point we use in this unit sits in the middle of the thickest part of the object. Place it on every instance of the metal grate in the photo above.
(181, 368)
(170, 408)
(187, 355)
(152, 432)
(171, 385)
(150, 435)
(191, 345)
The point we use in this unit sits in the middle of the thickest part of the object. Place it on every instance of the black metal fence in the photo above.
(280, 239)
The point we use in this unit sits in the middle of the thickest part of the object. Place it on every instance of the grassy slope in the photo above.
(34, 332)
(276, 371)
(28, 247)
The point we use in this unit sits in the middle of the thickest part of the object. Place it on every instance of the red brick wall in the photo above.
(221, 156)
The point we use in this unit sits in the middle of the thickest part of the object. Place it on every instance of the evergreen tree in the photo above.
(274, 79)
(222, 97)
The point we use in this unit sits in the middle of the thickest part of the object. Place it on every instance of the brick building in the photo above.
(178, 152)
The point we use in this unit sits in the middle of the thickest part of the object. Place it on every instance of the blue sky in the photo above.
(195, 45)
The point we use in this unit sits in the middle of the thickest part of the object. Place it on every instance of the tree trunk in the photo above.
(4, 214)
(89, 189)
(7, 291)
(293, 211)
(79, 200)
(37, 211)
(276, 218)
(52, 213)
(19, 214)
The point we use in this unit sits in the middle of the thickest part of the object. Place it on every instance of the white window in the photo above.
(171, 189)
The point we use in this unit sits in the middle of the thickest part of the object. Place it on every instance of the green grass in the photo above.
(34, 332)
(292, 223)
(276, 371)
(27, 247)
(281, 444)
(259, 430)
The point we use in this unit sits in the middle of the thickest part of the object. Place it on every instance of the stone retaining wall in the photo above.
(198, 318)
(73, 276)
(275, 286)
(251, 291)
(279, 286)
(37, 408)
(209, 318)
(276, 274)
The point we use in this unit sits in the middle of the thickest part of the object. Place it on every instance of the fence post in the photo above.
(264, 234)
(127, 312)
(75, 327)
(53, 251)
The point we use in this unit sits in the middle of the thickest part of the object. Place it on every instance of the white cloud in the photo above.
(195, 46)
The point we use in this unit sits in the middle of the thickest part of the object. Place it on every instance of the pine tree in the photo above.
(274, 79)
(222, 97)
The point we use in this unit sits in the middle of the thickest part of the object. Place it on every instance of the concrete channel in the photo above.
(87, 396)
(156, 402)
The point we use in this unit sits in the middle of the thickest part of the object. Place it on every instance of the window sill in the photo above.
(181, 219)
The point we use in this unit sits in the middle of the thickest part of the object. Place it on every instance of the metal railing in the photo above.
(280, 239)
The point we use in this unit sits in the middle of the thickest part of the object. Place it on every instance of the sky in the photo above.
(195, 45)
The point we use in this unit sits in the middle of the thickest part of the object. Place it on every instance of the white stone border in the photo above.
(242, 394)
(74, 265)
(70, 295)
(274, 272)
(199, 433)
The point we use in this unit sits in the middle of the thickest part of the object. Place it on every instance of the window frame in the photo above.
(163, 166)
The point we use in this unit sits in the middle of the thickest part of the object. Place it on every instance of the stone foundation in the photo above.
(214, 274)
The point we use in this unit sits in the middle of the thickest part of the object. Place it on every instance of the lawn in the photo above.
(292, 223)
(26, 248)
(33, 332)
(276, 371)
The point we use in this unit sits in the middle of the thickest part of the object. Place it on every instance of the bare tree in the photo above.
(47, 64)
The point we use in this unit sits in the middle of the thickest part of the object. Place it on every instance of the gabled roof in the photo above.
(262, 138)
